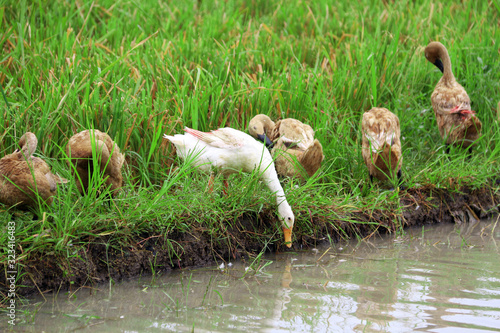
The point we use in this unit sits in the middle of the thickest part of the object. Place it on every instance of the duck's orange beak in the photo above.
(288, 236)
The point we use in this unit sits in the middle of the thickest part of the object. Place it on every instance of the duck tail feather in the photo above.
(312, 158)
(198, 134)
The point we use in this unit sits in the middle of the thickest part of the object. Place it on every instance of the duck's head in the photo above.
(28, 143)
(260, 128)
(287, 221)
(433, 53)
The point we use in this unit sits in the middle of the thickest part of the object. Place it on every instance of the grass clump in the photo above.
(139, 69)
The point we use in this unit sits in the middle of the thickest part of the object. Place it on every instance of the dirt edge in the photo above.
(98, 262)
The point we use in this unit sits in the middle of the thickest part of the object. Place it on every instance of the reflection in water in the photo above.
(438, 279)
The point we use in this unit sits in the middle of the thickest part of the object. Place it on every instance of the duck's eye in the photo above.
(289, 218)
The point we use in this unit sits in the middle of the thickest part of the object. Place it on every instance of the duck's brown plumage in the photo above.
(106, 154)
(381, 144)
(293, 142)
(22, 176)
(457, 123)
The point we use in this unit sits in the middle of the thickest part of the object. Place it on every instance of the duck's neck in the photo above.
(284, 208)
(268, 126)
(274, 185)
(28, 142)
(447, 72)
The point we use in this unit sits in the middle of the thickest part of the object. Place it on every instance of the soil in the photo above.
(98, 262)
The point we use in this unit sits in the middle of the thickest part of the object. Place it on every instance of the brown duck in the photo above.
(24, 179)
(93, 146)
(457, 123)
(381, 144)
(294, 148)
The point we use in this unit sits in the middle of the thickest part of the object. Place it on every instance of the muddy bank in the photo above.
(98, 262)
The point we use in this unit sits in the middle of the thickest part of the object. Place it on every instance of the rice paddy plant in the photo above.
(139, 69)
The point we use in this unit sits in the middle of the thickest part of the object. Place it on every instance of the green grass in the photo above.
(138, 69)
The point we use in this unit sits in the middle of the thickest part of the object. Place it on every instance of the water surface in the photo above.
(442, 278)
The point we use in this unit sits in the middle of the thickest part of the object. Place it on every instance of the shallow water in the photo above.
(439, 279)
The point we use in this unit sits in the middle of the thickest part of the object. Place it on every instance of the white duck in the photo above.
(230, 151)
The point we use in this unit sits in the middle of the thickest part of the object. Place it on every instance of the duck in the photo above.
(25, 179)
(457, 123)
(291, 142)
(381, 144)
(82, 156)
(228, 151)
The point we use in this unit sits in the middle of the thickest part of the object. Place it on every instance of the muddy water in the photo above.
(438, 279)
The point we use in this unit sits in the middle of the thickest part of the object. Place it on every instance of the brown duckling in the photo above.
(291, 142)
(381, 145)
(106, 154)
(457, 123)
(24, 179)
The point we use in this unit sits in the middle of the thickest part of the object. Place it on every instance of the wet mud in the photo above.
(99, 262)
